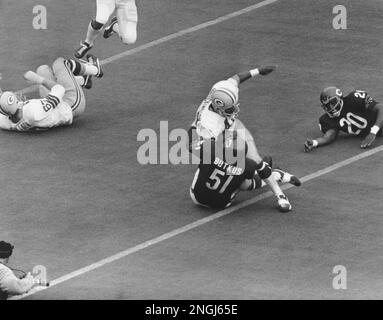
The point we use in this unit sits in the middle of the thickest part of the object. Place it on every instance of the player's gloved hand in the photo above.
(309, 145)
(266, 70)
(368, 141)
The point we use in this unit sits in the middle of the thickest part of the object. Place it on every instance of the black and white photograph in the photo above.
(191, 150)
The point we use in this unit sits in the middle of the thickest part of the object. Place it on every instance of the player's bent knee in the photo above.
(129, 39)
(43, 70)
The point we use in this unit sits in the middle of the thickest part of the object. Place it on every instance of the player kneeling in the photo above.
(61, 96)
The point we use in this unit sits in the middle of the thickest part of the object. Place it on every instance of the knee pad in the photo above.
(96, 25)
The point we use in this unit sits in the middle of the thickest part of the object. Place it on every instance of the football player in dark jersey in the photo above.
(356, 114)
(228, 157)
(221, 176)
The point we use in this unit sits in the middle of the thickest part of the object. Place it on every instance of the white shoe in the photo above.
(288, 178)
(284, 204)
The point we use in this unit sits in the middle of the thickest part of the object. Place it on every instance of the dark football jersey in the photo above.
(216, 184)
(357, 115)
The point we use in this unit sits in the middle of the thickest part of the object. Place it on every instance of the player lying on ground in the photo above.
(124, 23)
(62, 98)
(218, 180)
(356, 114)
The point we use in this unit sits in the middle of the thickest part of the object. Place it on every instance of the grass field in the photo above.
(76, 195)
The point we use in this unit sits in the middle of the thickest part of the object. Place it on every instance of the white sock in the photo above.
(90, 70)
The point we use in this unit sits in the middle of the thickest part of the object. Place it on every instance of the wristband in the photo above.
(254, 72)
(374, 129)
(315, 143)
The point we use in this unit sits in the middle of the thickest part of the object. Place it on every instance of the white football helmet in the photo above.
(224, 97)
(9, 103)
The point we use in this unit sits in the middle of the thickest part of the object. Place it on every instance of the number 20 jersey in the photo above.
(357, 116)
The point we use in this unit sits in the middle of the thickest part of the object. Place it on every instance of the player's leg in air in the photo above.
(66, 70)
(105, 9)
(125, 22)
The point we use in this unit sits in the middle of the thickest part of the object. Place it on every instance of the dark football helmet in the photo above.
(331, 100)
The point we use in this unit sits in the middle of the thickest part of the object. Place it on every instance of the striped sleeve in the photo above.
(54, 97)
(52, 101)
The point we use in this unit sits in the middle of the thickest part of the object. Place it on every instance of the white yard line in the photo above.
(189, 30)
(197, 223)
(189, 226)
(173, 36)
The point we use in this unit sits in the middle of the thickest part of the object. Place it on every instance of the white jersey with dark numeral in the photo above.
(41, 114)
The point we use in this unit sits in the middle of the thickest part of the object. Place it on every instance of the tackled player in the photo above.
(61, 96)
(229, 159)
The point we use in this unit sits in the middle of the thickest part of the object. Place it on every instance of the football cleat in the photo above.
(284, 204)
(88, 83)
(82, 50)
(108, 31)
(288, 178)
(96, 62)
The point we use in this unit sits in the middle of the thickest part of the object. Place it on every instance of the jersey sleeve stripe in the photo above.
(53, 101)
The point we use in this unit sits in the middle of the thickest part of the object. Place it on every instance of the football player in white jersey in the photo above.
(62, 98)
(124, 23)
(217, 182)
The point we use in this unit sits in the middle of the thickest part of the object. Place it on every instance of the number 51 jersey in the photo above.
(357, 117)
(216, 185)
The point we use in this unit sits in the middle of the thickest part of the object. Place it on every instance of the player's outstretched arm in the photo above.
(243, 76)
(368, 141)
(329, 137)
